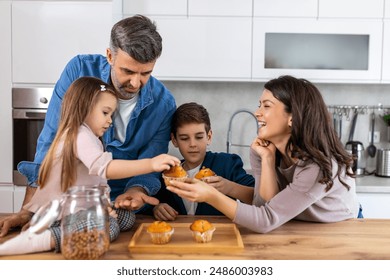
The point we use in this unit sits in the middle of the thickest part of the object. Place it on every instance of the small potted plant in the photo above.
(386, 119)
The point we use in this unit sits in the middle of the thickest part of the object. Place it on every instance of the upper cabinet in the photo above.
(285, 8)
(334, 41)
(386, 54)
(47, 34)
(202, 39)
(205, 48)
(386, 44)
(387, 9)
(320, 50)
(155, 7)
(350, 8)
(235, 40)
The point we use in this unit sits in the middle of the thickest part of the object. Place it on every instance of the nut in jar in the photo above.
(85, 223)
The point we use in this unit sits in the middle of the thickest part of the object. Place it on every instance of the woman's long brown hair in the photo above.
(79, 100)
(313, 136)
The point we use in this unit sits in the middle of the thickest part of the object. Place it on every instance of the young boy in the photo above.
(191, 133)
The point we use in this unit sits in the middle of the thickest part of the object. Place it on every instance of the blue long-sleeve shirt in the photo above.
(147, 133)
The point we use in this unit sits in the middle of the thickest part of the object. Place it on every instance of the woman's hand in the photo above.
(198, 191)
(265, 149)
(164, 212)
(192, 190)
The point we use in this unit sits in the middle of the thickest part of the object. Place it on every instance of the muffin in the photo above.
(174, 173)
(204, 172)
(160, 232)
(202, 231)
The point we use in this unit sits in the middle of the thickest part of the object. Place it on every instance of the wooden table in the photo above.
(367, 239)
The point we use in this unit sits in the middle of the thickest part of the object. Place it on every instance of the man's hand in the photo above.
(15, 220)
(164, 212)
(134, 199)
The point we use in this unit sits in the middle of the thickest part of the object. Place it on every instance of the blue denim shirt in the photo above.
(147, 134)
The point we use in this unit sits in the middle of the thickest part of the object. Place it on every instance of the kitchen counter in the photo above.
(372, 184)
(352, 239)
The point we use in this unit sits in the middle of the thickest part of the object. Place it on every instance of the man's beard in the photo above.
(127, 95)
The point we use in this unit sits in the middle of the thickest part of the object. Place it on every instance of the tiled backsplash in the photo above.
(222, 99)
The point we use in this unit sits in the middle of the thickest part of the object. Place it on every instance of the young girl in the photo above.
(301, 168)
(76, 157)
(191, 133)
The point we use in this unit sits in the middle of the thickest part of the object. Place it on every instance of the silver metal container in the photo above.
(356, 148)
(383, 163)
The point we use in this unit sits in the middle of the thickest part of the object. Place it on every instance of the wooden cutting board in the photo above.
(226, 237)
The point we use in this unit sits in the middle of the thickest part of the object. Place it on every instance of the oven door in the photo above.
(27, 125)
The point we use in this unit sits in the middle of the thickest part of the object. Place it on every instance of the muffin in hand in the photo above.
(202, 231)
(176, 172)
(204, 173)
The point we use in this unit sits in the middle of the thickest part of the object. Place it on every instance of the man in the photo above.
(141, 127)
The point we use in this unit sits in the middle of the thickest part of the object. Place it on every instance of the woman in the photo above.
(301, 168)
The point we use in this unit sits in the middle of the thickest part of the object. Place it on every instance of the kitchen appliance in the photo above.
(356, 148)
(29, 106)
(383, 163)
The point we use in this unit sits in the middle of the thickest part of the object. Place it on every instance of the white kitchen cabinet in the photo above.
(47, 34)
(386, 51)
(220, 8)
(285, 8)
(375, 205)
(5, 94)
(343, 50)
(350, 8)
(19, 194)
(205, 48)
(154, 7)
(6, 199)
(387, 8)
(206, 40)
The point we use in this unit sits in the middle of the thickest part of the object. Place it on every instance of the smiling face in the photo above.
(128, 75)
(99, 118)
(274, 122)
(192, 140)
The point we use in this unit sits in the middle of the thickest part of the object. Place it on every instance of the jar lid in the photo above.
(45, 217)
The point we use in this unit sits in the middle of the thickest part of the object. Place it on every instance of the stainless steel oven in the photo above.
(29, 106)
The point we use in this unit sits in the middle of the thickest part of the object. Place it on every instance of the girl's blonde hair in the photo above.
(79, 100)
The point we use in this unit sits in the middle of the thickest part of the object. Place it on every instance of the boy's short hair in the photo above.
(190, 113)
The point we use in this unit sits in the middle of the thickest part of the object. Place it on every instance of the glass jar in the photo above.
(85, 223)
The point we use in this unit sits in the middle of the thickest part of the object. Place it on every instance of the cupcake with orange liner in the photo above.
(176, 172)
(160, 232)
(202, 231)
(203, 173)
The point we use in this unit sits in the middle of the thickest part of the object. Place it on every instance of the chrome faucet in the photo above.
(229, 134)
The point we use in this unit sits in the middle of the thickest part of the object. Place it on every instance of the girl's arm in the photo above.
(119, 168)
